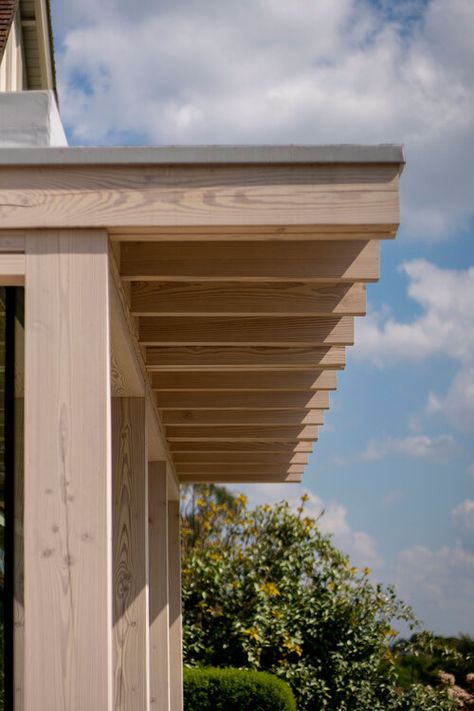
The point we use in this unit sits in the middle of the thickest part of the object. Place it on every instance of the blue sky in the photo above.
(394, 466)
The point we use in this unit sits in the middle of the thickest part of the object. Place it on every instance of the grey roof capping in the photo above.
(199, 155)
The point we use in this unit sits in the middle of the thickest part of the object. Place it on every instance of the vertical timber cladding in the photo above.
(160, 693)
(130, 553)
(175, 608)
(68, 595)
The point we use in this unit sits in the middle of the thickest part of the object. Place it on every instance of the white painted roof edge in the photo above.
(198, 155)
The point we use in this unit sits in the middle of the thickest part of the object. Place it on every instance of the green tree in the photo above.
(265, 589)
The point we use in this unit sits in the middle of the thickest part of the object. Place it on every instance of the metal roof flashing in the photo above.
(203, 155)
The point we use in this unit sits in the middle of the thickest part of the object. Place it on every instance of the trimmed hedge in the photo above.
(209, 689)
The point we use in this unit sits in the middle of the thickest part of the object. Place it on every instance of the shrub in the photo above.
(266, 590)
(208, 689)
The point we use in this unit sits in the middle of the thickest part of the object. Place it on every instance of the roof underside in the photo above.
(243, 270)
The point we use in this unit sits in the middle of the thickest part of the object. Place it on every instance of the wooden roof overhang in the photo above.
(238, 272)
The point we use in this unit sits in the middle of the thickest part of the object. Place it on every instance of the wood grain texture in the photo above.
(231, 469)
(217, 195)
(226, 358)
(68, 534)
(130, 548)
(214, 446)
(243, 417)
(130, 374)
(159, 592)
(249, 380)
(247, 476)
(12, 241)
(150, 298)
(251, 331)
(175, 611)
(255, 233)
(12, 269)
(241, 433)
(314, 262)
(236, 400)
(240, 458)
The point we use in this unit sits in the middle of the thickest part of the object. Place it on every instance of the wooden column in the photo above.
(175, 612)
(68, 536)
(159, 593)
(130, 554)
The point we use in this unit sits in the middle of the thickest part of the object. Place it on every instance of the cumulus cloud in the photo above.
(273, 71)
(445, 327)
(439, 584)
(440, 448)
(463, 515)
(359, 545)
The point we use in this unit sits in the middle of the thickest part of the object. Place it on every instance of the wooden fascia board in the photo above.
(362, 196)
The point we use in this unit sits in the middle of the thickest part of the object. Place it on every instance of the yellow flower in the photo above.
(215, 556)
(367, 571)
(236, 584)
(278, 614)
(308, 522)
(200, 502)
(253, 634)
(241, 499)
(293, 647)
(305, 498)
(206, 526)
(270, 589)
(353, 570)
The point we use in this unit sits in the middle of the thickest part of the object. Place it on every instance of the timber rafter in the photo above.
(242, 270)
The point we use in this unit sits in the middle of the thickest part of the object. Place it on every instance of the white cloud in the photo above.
(463, 515)
(273, 71)
(445, 327)
(360, 546)
(440, 448)
(439, 584)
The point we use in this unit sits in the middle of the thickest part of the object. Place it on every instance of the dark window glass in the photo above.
(11, 497)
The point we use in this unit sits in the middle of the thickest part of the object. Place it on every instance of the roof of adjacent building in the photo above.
(8, 9)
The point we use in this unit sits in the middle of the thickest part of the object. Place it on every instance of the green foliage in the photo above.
(267, 590)
(207, 689)
(421, 658)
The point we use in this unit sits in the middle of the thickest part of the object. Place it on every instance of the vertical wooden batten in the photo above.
(130, 553)
(68, 536)
(159, 590)
(175, 610)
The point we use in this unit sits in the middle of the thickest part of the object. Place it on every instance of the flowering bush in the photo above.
(264, 589)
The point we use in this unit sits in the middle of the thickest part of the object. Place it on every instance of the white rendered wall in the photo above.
(30, 118)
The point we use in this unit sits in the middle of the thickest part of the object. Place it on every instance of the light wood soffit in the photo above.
(242, 417)
(247, 299)
(224, 359)
(251, 331)
(236, 400)
(250, 380)
(253, 261)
